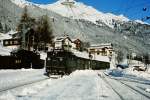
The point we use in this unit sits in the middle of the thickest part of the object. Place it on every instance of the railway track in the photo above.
(22, 85)
(131, 80)
(120, 96)
(127, 85)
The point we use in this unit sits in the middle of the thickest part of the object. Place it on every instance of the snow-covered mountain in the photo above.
(77, 11)
(22, 3)
(97, 28)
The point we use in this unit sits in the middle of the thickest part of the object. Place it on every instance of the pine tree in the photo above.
(45, 31)
(26, 23)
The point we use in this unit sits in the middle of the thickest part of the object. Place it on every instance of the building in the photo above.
(64, 43)
(77, 44)
(104, 49)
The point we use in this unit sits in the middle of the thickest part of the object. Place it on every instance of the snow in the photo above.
(77, 11)
(95, 57)
(80, 85)
(4, 36)
(147, 90)
(7, 77)
(8, 49)
(139, 21)
(129, 73)
(7, 96)
(82, 11)
(22, 3)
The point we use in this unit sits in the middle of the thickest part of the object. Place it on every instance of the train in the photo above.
(62, 62)
(21, 59)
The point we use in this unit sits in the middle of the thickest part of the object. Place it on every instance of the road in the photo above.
(80, 85)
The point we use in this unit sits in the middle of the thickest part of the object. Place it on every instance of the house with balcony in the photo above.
(104, 49)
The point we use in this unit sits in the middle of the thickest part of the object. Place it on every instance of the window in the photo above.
(15, 42)
(10, 42)
(6, 42)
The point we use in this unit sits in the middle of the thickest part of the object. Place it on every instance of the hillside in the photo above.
(120, 31)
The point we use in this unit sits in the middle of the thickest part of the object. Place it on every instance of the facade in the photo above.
(66, 43)
(77, 44)
(101, 49)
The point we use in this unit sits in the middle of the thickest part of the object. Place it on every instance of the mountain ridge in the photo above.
(77, 11)
(124, 35)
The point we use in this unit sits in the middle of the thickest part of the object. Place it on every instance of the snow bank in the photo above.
(7, 96)
(82, 72)
(141, 74)
(11, 78)
(129, 73)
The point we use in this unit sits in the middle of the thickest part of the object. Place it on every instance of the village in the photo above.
(69, 50)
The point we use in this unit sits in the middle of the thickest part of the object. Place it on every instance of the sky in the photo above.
(133, 9)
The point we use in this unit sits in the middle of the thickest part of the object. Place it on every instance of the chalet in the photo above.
(64, 43)
(77, 44)
(101, 49)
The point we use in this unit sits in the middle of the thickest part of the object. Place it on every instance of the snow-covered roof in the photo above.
(4, 36)
(59, 39)
(6, 50)
(95, 57)
(103, 45)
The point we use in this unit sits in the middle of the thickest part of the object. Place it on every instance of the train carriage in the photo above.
(60, 62)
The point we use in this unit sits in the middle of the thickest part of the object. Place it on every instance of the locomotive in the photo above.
(61, 62)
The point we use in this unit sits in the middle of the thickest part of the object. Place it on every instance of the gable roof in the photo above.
(60, 39)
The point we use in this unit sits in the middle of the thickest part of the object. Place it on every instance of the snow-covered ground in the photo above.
(80, 85)
(129, 72)
(12, 78)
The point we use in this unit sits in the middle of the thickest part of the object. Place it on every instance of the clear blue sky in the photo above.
(132, 9)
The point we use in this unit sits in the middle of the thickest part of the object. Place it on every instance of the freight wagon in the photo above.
(21, 59)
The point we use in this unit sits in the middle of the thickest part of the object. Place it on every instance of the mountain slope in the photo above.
(99, 32)
(77, 11)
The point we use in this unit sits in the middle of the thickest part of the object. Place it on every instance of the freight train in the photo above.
(21, 59)
(61, 62)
